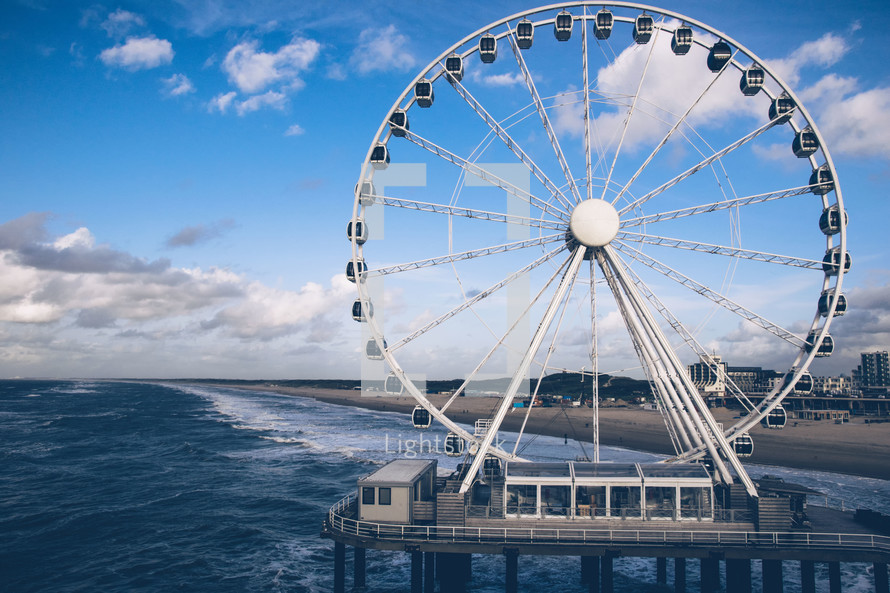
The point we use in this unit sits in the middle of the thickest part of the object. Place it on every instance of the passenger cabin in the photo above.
(421, 417)
(804, 385)
(752, 80)
(644, 25)
(589, 491)
(373, 351)
(805, 143)
(825, 303)
(402, 491)
(826, 347)
(454, 68)
(719, 56)
(454, 445)
(743, 445)
(821, 181)
(365, 193)
(562, 26)
(380, 157)
(681, 42)
(398, 123)
(602, 26)
(831, 263)
(361, 310)
(525, 34)
(357, 231)
(423, 93)
(775, 418)
(830, 221)
(353, 271)
(782, 108)
(392, 385)
(488, 48)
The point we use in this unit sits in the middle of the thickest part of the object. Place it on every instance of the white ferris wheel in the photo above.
(576, 186)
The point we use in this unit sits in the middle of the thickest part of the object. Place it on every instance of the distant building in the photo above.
(832, 385)
(874, 371)
(709, 376)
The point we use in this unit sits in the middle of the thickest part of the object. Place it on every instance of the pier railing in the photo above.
(341, 520)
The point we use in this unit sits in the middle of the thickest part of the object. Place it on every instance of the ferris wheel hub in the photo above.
(594, 223)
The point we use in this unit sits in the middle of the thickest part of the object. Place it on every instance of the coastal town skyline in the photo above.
(177, 178)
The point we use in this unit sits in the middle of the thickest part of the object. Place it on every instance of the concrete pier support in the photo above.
(511, 582)
(807, 576)
(416, 572)
(772, 576)
(587, 563)
(738, 575)
(359, 568)
(679, 575)
(593, 586)
(881, 584)
(661, 571)
(834, 577)
(339, 567)
(607, 577)
(429, 572)
(453, 571)
(710, 575)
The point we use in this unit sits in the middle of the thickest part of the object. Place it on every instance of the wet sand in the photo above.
(853, 448)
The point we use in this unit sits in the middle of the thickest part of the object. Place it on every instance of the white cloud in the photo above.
(497, 80)
(178, 84)
(295, 130)
(139, 53)
(380, 50)
(824, 52)
(221, 102)
(119, 22)
(272, 99)
(252, 70)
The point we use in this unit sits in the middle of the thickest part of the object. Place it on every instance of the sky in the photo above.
(176, 177)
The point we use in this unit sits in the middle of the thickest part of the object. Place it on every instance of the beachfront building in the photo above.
(874, 372)
(833, 386)
(709, 376)
(402, 491)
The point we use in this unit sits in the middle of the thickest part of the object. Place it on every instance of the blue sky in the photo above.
(176, 177)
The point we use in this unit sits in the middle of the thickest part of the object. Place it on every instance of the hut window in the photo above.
(386, 496)
(367, 495)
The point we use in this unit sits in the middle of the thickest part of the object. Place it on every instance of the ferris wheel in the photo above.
(578, 186)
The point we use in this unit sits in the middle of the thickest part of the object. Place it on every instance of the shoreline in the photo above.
(854, 448)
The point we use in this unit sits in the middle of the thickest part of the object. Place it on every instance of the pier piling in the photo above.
(429, 572)
(679, 575)
(807, 576)
(710, 575)
(359, 568)
(772, 576)
(738, 575)
(607, 578)
(416, 572)
(834, 577)
(339, 567)
(511, 582)
(661, 571)
(881, 584)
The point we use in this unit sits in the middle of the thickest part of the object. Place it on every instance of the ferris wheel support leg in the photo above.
(518, 377)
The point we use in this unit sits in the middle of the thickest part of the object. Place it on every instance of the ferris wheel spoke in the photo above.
(811, 264)
(716, 206)
(467, 212)
(630, 113)
(475, 299)
(711, 295)
(485, 175)
(673, 129)
(474, 253)
(684, 333)
(510, 143)
(585, 88)
(701, 165)
(548, 127)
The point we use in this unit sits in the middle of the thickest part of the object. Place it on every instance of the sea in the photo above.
(128, 487)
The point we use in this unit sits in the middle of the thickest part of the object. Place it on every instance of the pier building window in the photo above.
(590, 501)
(367, 495)
(522, 499)
(695, 503)
(555, 500)
(385, 496)
(625, 501)
(661, 502)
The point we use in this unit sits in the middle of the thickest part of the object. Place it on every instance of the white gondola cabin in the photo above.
(423, 93)
(525, 34)
(782, 108)
(752, 80)
(821, 181)
(825, 303)
(354, 271)
(373, 351)
(830, 220)
(826, 347)
(602, 26)
(357, 231)
(488, 48)
(562, 26)
(365, 193)
(719, 55)
(681, 42)
(454, 68)
(644, 25)
(392, 385)
(361, 310)
(743, 445)
(380, 157)
(831, 263)
(804, 385)
(398, 123)
(421, 417)
(775, 418)
(454, 445)
(402, 491)
(805, 143)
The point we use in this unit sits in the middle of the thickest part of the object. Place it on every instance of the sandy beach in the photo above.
(853, 448)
